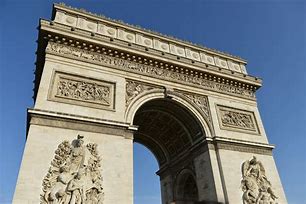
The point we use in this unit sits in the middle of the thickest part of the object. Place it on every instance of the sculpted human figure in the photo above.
(74, 176)
(58, 191)
(255, 185)
(76, 188)
(250, 189)
(77, 155)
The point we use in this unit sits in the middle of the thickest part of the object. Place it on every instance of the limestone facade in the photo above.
(115, 84)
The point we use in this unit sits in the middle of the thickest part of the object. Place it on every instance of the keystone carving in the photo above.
(148, 70)
(256, 187)
(74, 175)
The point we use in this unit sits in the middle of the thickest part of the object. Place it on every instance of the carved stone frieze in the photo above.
(201, 102)
(236, 119)
(255, 185)
(149, 70)
(74, 175)
(82, 91)
(134, 88)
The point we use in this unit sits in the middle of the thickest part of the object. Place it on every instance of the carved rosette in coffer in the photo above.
(237, 120)
(83, 91)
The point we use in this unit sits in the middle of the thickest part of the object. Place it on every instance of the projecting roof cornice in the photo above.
(99, 24)
(88, 33)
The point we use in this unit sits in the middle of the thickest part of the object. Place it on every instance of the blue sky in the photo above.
(271, 35)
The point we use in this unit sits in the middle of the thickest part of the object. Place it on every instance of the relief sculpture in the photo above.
(237, 120)
(231, 118)
(74, 176)
(81, 90)
(256, 187)
(133, 89)
(201, 102)
(148, 70)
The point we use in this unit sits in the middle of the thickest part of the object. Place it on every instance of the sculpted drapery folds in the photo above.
(74, 176)
(256, 188)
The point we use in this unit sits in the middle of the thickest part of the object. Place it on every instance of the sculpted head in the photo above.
(253, 160)
(79, 141)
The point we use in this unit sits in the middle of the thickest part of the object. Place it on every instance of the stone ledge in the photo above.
(77, 122)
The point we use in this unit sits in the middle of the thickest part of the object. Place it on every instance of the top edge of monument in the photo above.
(195, 48)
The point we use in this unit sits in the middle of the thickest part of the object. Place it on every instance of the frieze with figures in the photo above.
(149, 70)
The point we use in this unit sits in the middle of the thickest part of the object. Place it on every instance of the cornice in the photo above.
(188, 71)
(59, 32)
(81, 13)
(74, 117)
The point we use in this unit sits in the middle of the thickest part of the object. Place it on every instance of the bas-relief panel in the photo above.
(74, 175)
(237, 120)
(79, 90)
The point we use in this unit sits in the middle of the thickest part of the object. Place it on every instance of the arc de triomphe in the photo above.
(101, 85)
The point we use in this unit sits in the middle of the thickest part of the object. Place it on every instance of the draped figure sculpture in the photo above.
(256, 188)
(74, 176)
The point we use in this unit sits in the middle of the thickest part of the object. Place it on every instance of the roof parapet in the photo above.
(81, 19)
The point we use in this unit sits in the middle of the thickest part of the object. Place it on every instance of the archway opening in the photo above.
(146, 182)
(170, 131)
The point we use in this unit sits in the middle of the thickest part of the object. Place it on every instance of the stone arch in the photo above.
(167, 128)
(149, 95)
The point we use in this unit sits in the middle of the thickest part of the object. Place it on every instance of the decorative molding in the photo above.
(79, 90)
(164, 73)
(244, 148)
(255, 185)
(86, 21)
(74, 175)
(237, 120)
(134, 88)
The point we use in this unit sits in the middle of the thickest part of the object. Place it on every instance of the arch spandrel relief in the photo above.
(74, 175)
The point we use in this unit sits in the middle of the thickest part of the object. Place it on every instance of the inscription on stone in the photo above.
(235, 119)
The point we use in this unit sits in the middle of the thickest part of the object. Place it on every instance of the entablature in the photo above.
(94, 47)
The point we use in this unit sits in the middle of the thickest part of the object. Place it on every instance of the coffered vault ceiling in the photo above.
(166, 128)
